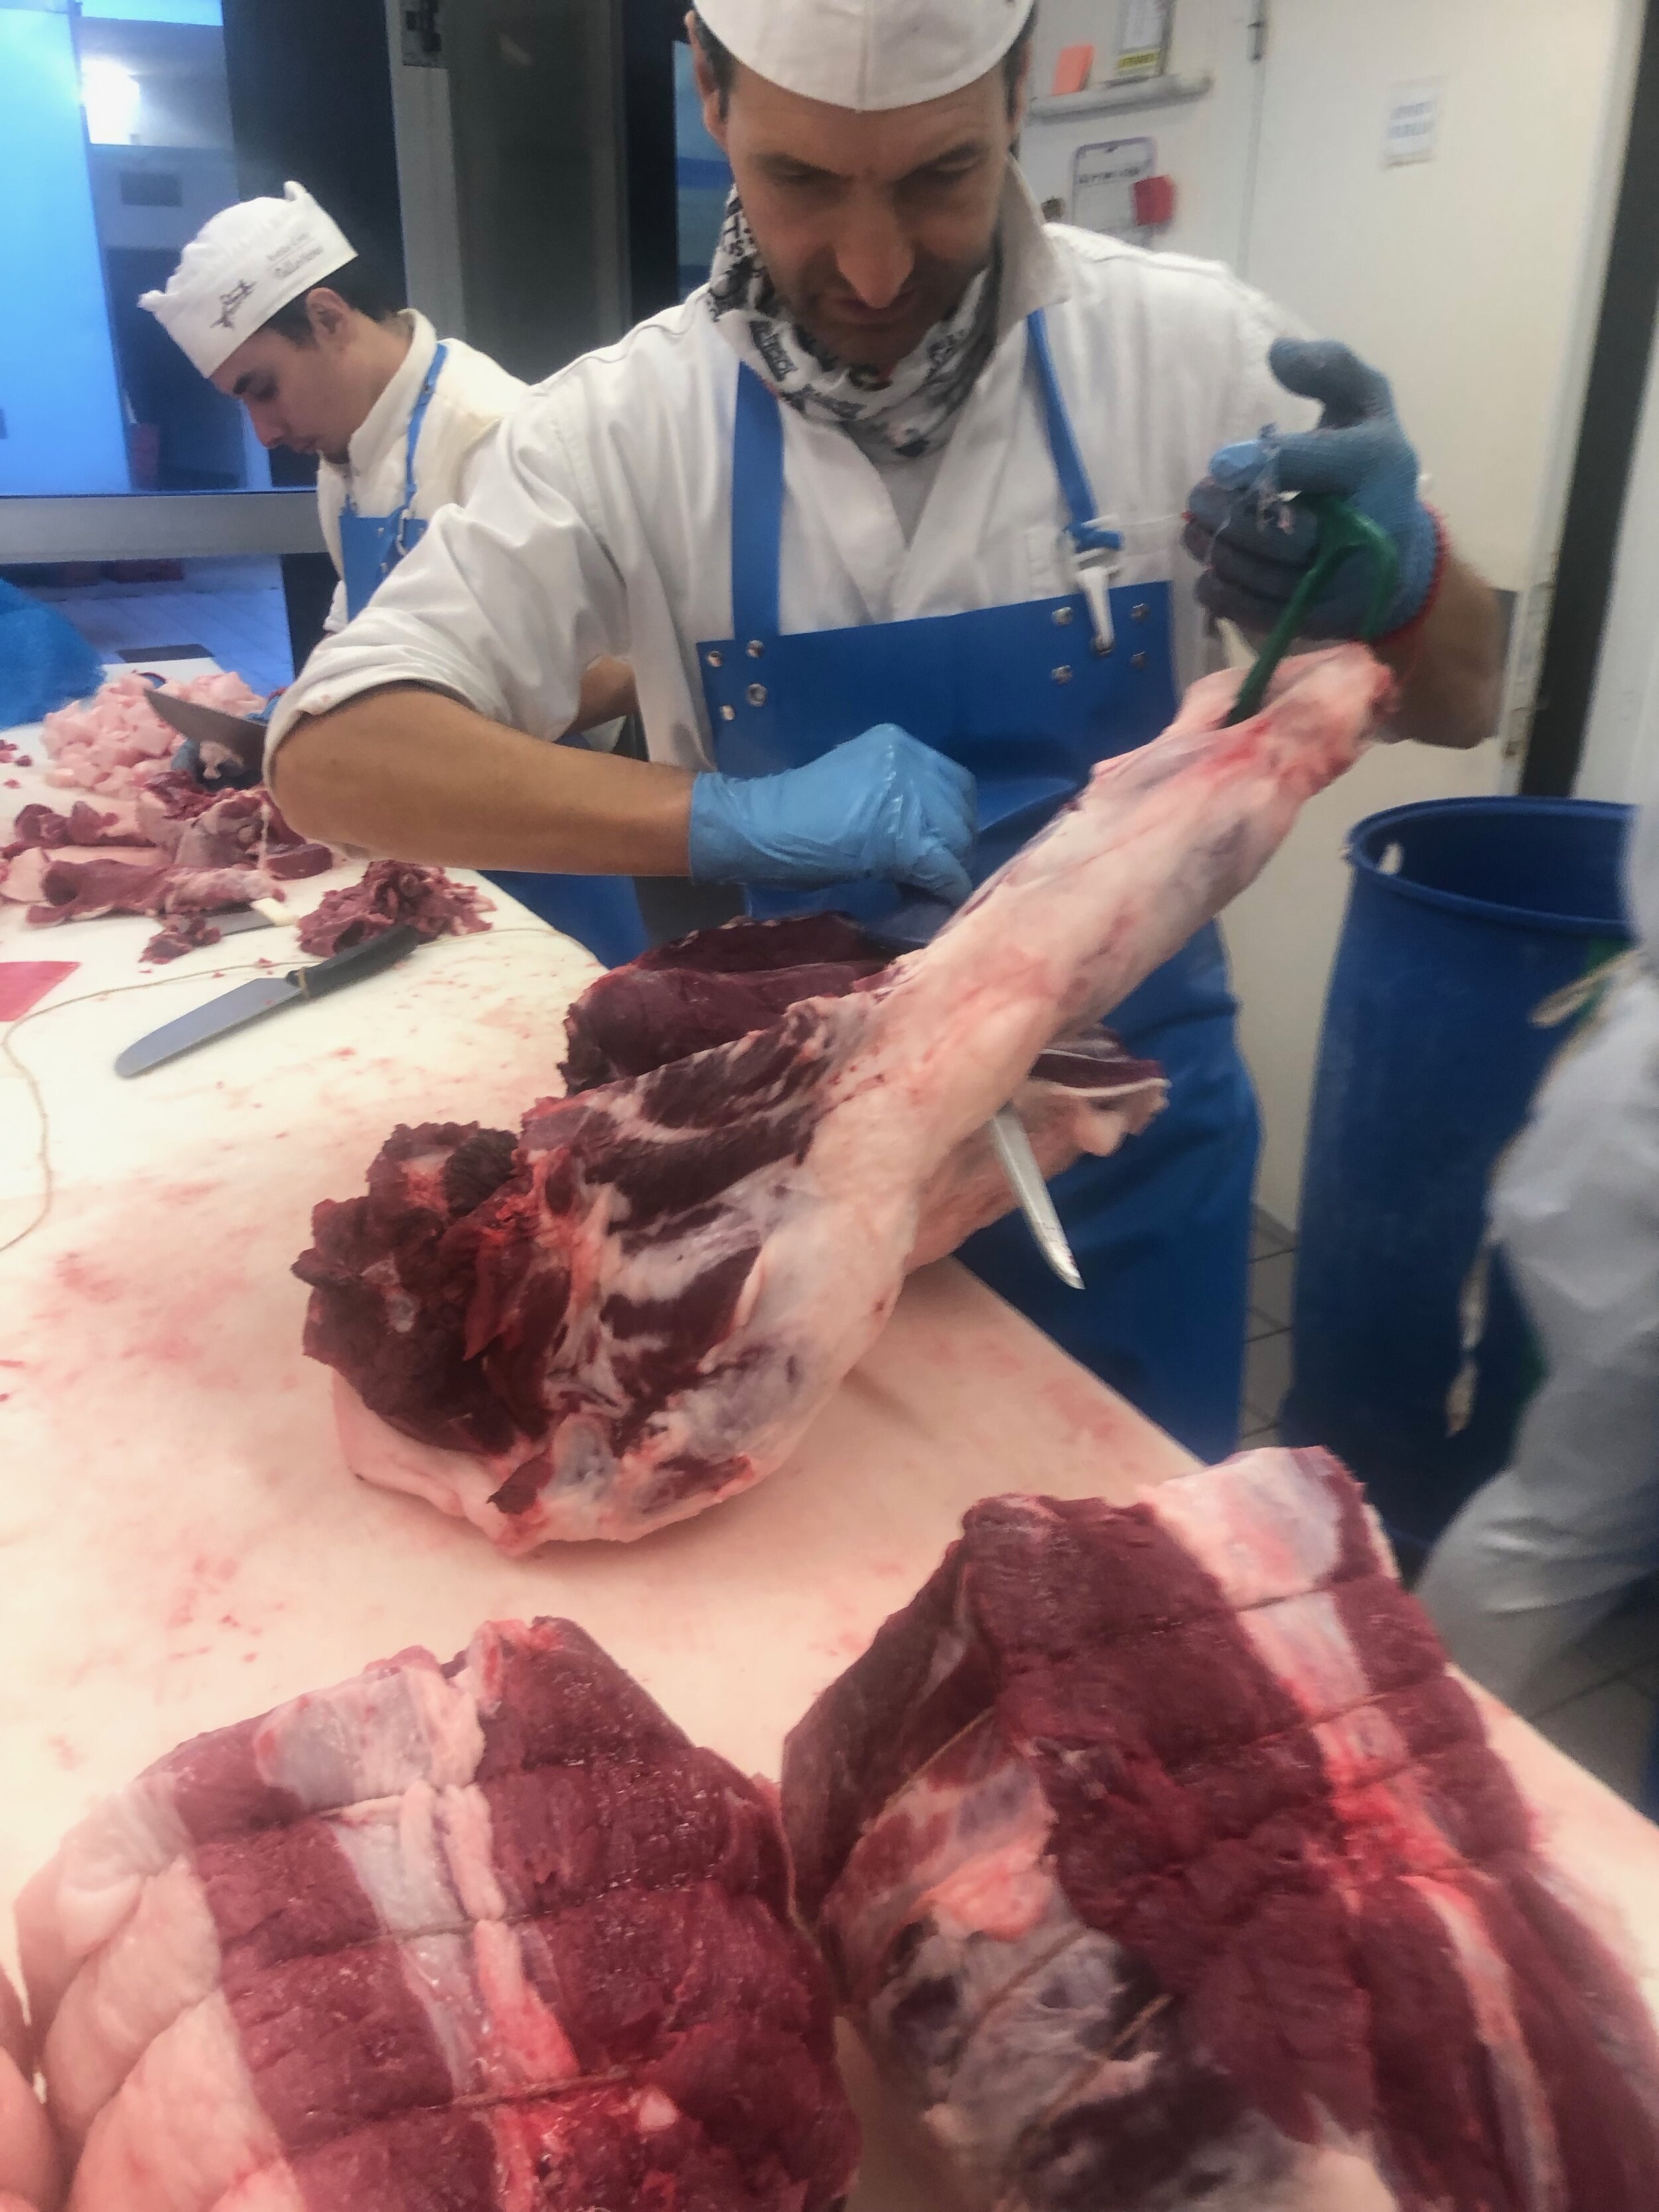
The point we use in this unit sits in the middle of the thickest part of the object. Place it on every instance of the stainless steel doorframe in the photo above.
(159, 526)
(425, 134)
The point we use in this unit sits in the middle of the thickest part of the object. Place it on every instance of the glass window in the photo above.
(115, 148)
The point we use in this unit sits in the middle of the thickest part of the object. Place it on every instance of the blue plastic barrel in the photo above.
(1463, 915)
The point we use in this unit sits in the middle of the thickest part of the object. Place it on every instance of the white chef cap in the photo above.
(242, 265)
(868, 54)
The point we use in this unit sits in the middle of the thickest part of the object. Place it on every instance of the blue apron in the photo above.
(600, 912)
(1029, 697)
(371, 546)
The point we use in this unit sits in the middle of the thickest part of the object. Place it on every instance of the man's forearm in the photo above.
(1451, 669)
(413, 773)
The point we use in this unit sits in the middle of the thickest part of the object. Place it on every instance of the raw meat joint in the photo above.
(635, 1309)
(31, 2166)
(1162, 1864)
(443, 1939)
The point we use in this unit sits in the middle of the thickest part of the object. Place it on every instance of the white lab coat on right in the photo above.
(1549, 1546)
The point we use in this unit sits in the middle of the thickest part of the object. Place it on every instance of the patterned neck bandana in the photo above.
(911, 411)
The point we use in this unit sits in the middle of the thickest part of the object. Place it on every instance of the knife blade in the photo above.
(244, 741)
(1025, 1180)
(265, 994)
(910, 926)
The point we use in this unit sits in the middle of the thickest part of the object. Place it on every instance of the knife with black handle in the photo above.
(267, 995)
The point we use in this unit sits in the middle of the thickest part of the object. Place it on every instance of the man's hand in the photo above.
(1256, 548)
(1440, 632)
(884, 804)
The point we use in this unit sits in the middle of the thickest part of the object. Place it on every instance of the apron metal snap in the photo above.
(728, 714)
(1137, 660)
(1062, 675)
(716, 657)
(1140, 613)
(757, 695)
(756, 648)
(1062, 615)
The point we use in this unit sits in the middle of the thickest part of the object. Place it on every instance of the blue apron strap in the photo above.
(756, 509)
(428, 386)
(1088, 534)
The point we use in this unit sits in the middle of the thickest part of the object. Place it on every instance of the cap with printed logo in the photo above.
(243, 266)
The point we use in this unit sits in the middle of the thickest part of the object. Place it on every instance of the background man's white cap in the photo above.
(868, 54)
(245, 263)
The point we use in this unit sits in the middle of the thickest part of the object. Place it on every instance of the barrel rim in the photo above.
(1380, 824)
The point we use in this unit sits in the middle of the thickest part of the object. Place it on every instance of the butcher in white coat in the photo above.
(899, 521)
(273, 305)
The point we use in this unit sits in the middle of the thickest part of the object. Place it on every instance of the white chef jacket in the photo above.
(601, 520)
(469, 400)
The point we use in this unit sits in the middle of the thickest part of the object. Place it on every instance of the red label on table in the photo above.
(24, 983)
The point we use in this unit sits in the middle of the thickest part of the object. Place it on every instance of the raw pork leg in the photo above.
(1162, 1863)
(681, 1266)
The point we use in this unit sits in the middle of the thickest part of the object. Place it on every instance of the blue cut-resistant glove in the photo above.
(884, 804)
(1255, 548)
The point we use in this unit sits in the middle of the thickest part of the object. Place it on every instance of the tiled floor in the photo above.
(234, 608)
(1600, 1702)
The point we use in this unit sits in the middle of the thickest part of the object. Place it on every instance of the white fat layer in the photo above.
(395, 1851)
(164, 1959)
(1264, 1526)
(977, 1841)
(373, 1737)
(1531, 2151)
(1303, 1642)
(498, 2038)
(185, 2126)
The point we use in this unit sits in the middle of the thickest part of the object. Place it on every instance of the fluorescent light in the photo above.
(111, 96)
(208, 13)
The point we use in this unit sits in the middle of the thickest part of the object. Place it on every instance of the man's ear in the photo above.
(714, 109)
(328, 316)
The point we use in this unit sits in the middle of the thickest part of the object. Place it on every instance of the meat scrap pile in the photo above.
(30, 2168)
(394, 893)
(149, 840)
(1162, 1863)
(637, 1309)
(493, 1934)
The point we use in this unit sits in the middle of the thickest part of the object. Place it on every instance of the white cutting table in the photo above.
(180, 1544)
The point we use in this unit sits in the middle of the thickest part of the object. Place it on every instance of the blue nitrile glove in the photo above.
(1255, 547)
(884, 804)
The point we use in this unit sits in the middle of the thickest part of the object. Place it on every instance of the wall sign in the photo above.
(1411, 132)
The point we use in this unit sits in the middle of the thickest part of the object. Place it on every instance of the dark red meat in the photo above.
(707, 989)
(187, 933)
(393, 892)
(431, 1934)
(1161, 1862)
